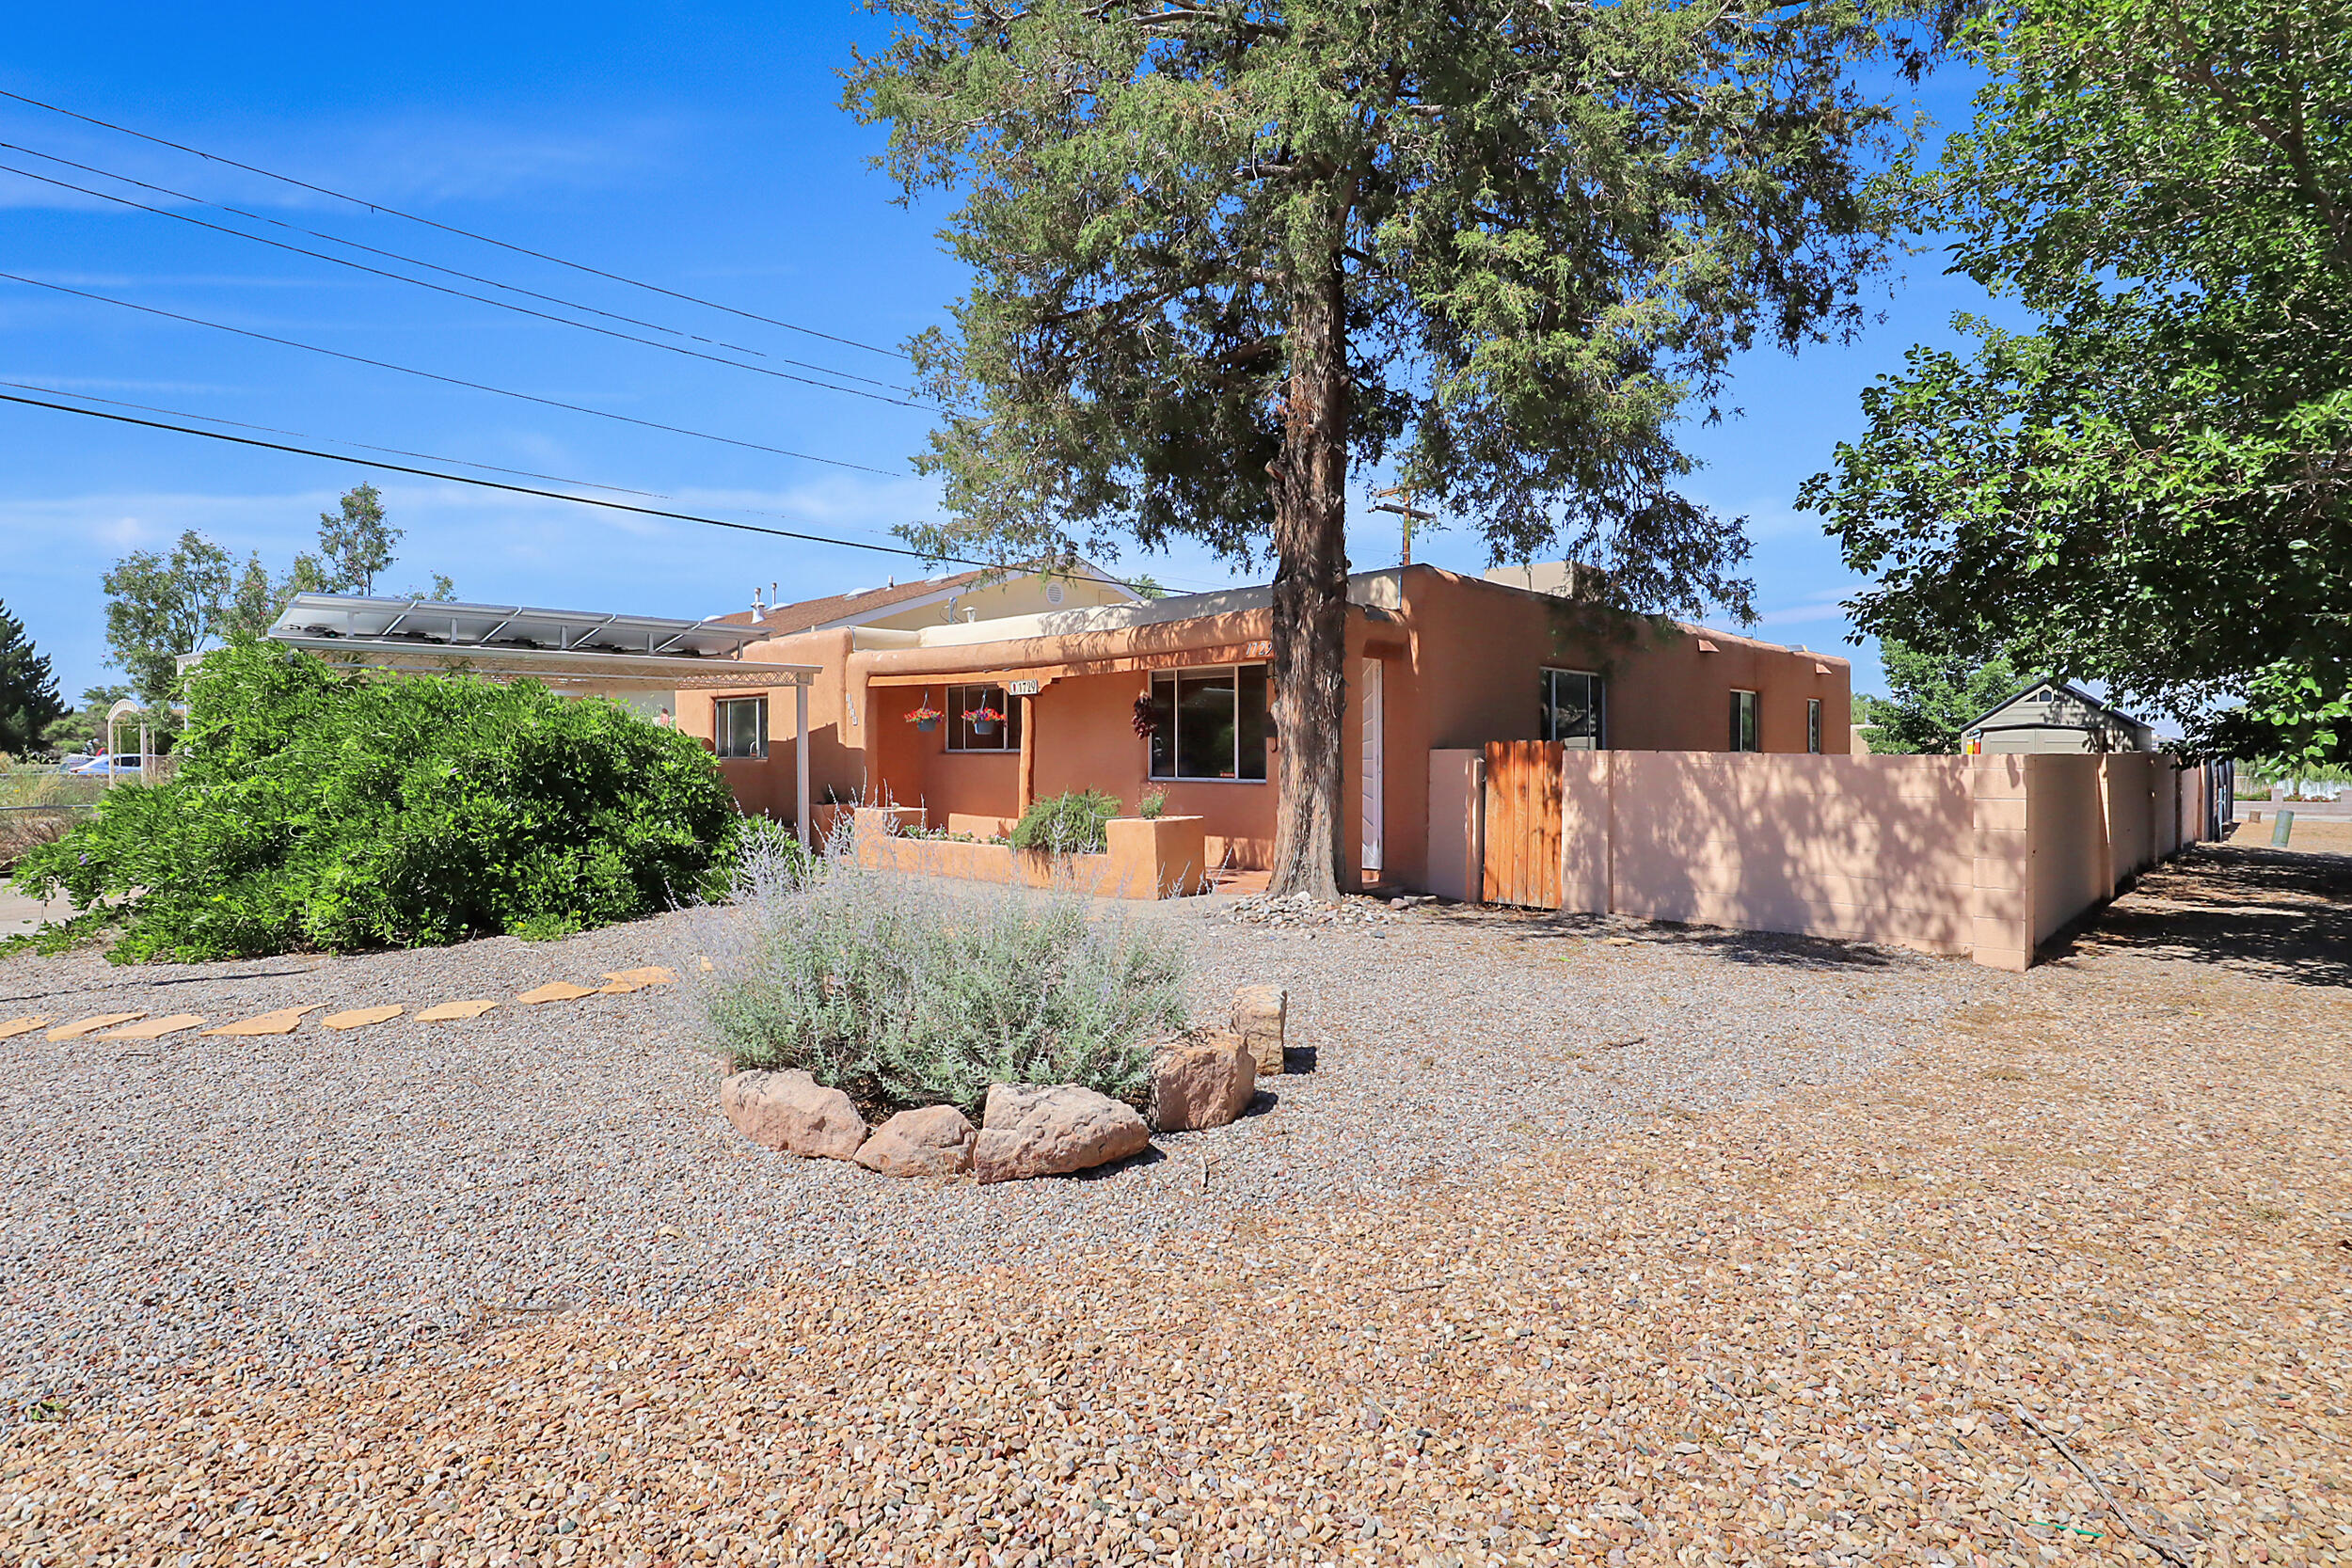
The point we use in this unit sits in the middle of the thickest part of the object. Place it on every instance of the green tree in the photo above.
(2149, 490)
(356, 543)
(28, 690)
(1224, 251)
(1932, 699)
(159, 607)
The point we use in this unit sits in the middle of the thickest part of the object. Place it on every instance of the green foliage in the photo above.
(162, 605)
(1933, 699)
(1223, 252)
(876, 986)
(1154, 805)
(1070, 824)
(85, 724)
(2149, 490)
(356, 542)
(313, 809)
(28, 690)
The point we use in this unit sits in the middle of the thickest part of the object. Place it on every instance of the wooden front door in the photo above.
(1522, 856)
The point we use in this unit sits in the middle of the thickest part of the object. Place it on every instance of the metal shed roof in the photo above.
(516, 641)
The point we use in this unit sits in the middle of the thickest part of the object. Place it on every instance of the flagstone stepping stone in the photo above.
(556, 991)
(444, 1012)
(156, 1028)
(360, 1018)
(652, 974)
(81, 1027)
(283, 1021)
(617, 988)
(16, 1026)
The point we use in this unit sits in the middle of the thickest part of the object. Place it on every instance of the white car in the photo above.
(98, 767)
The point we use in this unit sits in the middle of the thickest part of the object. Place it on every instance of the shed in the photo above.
(2046, 715)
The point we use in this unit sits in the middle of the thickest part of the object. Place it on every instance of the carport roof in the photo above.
(518, 641)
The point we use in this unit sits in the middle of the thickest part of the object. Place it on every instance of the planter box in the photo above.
(1161, 859)
(884, 821)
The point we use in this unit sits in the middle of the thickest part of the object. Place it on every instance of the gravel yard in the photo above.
(1771, 1282)
(292, 1200)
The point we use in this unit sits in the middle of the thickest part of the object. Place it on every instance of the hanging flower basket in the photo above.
(983, 720)
(925, 718)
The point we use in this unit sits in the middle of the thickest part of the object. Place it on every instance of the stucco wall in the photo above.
(1986, 855)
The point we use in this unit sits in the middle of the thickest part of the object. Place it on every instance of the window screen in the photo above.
(1572, 710)
(740, 726)
(1209, 724)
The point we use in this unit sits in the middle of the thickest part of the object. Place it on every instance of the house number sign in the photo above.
(1020, 689)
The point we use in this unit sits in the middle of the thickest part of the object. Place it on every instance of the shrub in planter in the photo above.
(1068, 824)
(873, 984)
(316, 808)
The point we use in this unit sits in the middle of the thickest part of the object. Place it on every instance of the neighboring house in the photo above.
(2048, 715)
(1131, 696)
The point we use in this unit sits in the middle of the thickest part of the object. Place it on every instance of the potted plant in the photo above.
(925, 718)
(983, 719)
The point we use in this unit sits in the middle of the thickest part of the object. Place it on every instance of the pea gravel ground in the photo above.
(1694, 1249)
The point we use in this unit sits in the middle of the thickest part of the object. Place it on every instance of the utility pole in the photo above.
(1405, 510)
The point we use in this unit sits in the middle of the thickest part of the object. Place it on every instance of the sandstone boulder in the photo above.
(1051, 1130)
(791, 1111)
(1258, 1014)
(1201, 1081)
(933, 1141)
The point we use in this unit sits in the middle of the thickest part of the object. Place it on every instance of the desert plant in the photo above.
(315, 808)
(1070, 824)
(1154, 805)
(872, 985)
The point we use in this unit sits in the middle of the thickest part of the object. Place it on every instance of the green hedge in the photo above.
(315, 808)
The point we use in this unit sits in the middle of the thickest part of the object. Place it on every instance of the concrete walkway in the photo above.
(19, 914)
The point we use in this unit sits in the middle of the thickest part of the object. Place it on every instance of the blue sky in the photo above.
(697, 147)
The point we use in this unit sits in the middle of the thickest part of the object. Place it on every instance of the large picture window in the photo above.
(740, 726)
(1572, 710)
(967, 735)
(1744, 722)
(1209, 724)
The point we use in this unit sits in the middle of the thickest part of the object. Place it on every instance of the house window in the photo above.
(1813, 725)
(1572, 710)
(1743, 722)
(740, 726)
(1209, 724)
(965, 735)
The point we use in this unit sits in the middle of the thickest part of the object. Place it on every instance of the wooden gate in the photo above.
(1522, 837)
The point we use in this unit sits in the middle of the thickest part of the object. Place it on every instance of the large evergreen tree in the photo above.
(30, 703)
(2152, 488)
(1228, 251)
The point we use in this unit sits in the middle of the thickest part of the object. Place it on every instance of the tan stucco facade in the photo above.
(1460, 662)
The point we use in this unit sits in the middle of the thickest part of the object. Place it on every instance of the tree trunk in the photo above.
(1309, 667)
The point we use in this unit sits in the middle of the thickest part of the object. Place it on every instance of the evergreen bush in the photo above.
(317, 808)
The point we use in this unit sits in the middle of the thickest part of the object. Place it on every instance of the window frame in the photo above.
(1175, 709)
(1008, 735)
(1813, 725)
(719, 727)
(1752, 732)
(1600, 706)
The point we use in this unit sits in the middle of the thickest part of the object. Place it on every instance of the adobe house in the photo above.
(2048, 715)
(1108, 691)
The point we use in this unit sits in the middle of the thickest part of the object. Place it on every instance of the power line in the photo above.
(460, 293)
(449, 380)
(449, 229)
(524, 489)
(273, 430)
